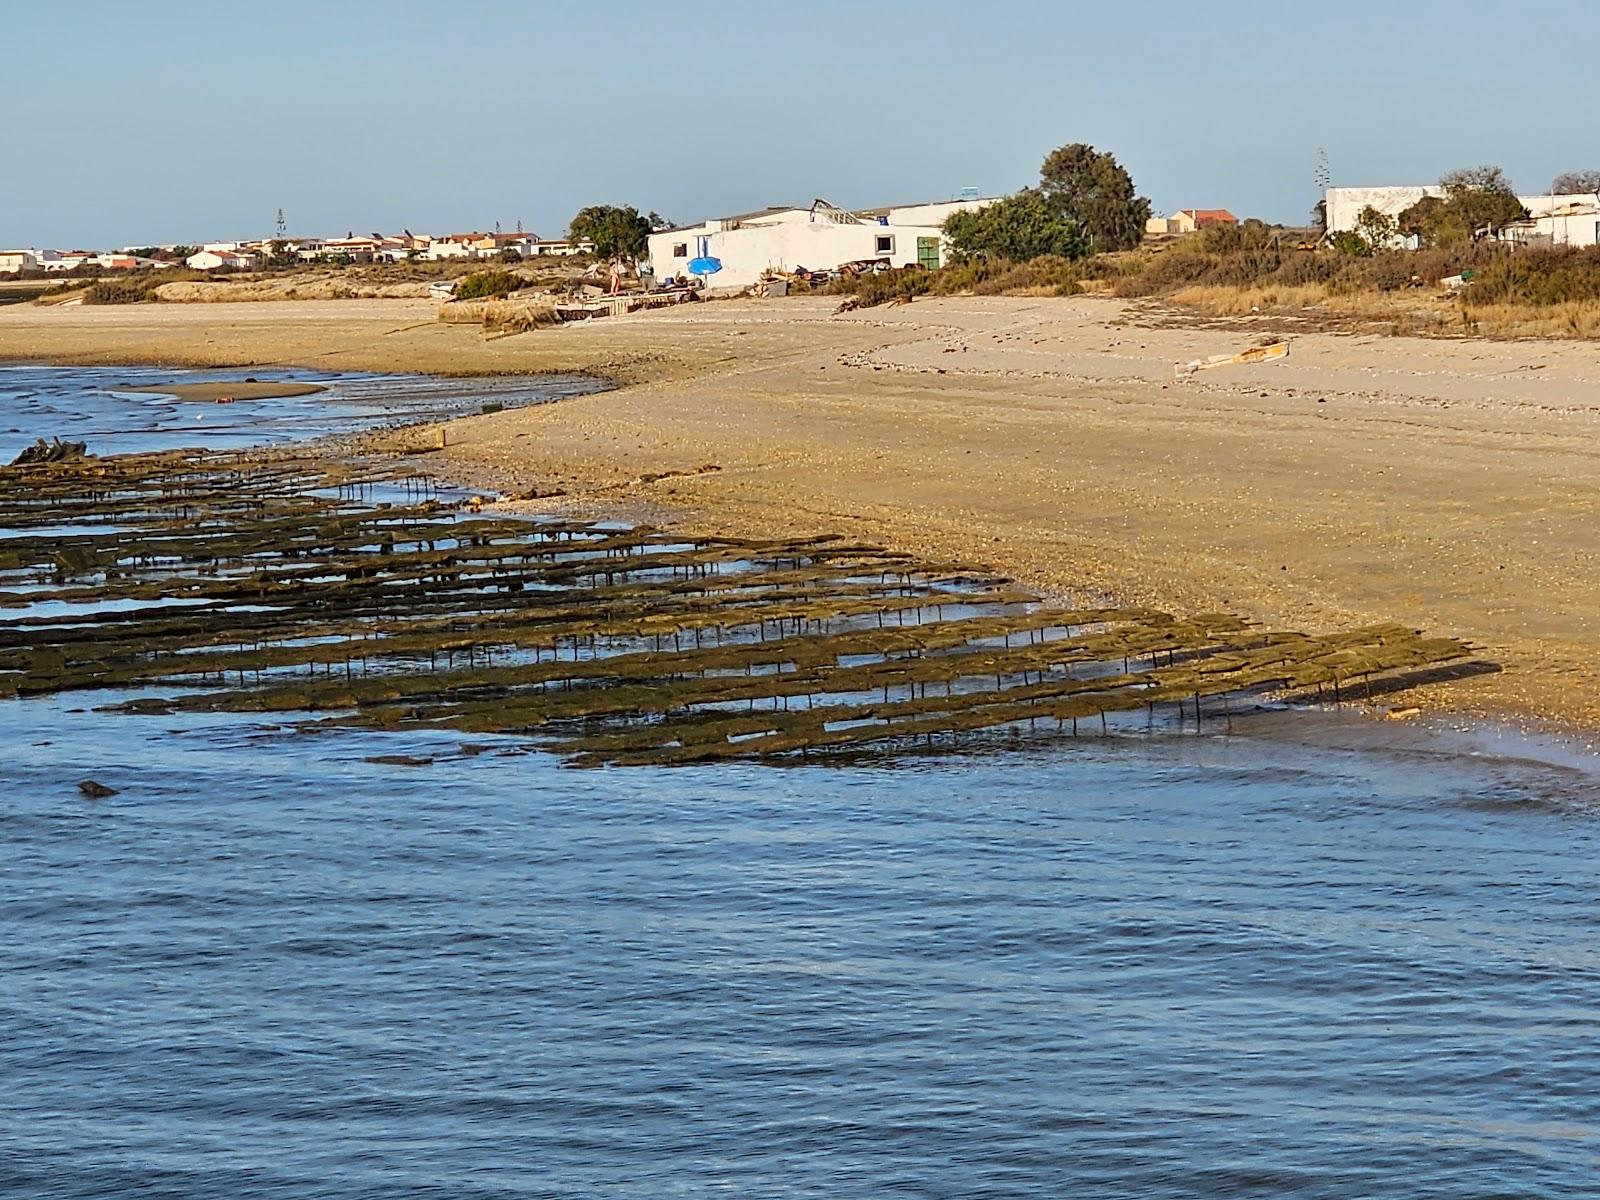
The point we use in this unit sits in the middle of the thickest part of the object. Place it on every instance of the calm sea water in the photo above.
(1301, 961)
(86, 404)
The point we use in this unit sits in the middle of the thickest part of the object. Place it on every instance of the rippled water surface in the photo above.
(87, 404)
(1171, 966)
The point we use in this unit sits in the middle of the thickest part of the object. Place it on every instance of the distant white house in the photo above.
(558, 248)
(12, 261)
(220, 260)
(63, 260)
(1557, 221)
(1187, 220)
(461, 245)
(819, 237)
(1344, 205)
(124, 262)
(375, 248)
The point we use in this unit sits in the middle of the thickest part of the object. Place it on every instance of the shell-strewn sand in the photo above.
(1451, 484)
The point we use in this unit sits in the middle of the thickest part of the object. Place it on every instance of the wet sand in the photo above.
(1448, 484)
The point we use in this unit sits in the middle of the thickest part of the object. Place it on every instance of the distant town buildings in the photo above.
(251, 255)
(501, 245)
(745, 247)
(16, 262)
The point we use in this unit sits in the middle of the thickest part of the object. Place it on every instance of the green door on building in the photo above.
(928, 253)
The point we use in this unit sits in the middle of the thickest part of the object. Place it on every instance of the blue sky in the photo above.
(160, 120)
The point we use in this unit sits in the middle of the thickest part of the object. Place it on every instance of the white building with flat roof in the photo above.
(1557, 221)
(819, 237)
(1553, 220)
(1345, 204)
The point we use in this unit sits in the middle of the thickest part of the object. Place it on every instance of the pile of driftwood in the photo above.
(53, 451)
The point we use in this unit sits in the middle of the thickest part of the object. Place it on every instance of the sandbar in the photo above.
(230, 391)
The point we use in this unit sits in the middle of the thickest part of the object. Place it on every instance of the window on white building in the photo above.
(885, 243)
(680, 249)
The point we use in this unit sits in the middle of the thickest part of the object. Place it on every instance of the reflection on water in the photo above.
(1171, 966)
(86, 404)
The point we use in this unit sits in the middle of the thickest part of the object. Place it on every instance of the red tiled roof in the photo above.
(1212, 214)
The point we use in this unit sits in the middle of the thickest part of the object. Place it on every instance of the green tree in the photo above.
(491, 283)
(1475, 199)
(1017, 228)
(1376, 229)
(1480, 198)
(279, 255)
(1422, 218)
(615, 231)
(1348, 241)
(1095, 195)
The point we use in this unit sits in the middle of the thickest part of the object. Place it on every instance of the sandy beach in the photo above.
(1445, 483)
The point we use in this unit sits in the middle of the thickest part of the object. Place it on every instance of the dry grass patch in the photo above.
(501, 316)
(1573, 319)
(285, 287)
(1242, 301)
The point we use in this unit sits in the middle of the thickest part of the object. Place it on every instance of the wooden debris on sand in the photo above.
(1268, 352)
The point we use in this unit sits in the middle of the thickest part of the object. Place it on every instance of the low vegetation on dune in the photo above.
(1230, 271)
(1541, 278)
(492, 284)
(1537, 293)
(1498, 289)
(134, 289)
(1259, 258)
(1046, 275)
(238, 289)
(120, 291)
(1080, 230)
(307, 281)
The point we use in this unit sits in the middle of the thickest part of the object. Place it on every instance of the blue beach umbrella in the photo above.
(704, 265)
